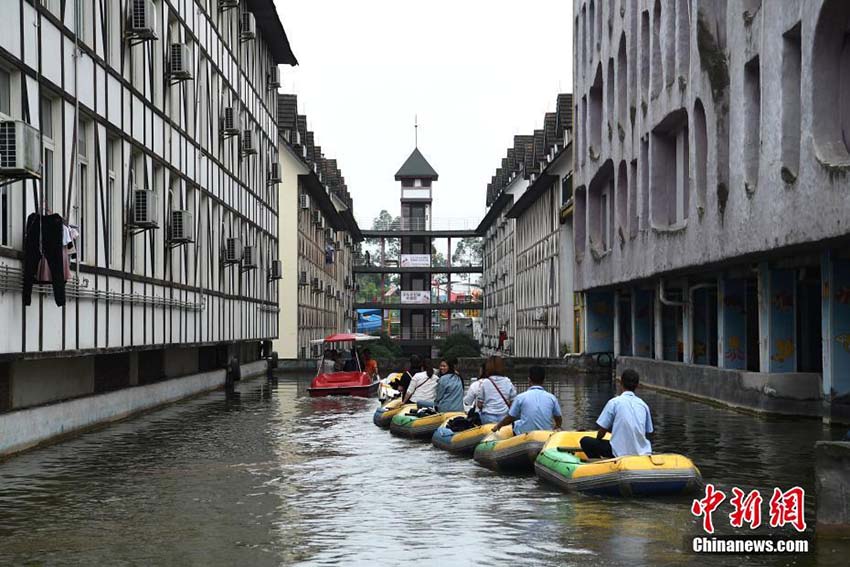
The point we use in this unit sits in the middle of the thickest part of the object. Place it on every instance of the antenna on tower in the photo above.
(416, 129)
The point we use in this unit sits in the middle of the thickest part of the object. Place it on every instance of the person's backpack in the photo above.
(461, 423)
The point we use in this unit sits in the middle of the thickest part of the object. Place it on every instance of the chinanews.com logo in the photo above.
(785, 508)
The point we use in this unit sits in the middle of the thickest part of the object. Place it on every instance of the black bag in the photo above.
(473, 416)
(460, 423)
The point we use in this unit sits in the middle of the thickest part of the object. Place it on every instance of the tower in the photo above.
(416, 177)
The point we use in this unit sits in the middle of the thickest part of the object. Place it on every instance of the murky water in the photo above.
(268, 476)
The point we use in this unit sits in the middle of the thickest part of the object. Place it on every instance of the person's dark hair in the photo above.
(428, 367)
(495, 366)
(450, 362)
(483, 372)
(630, 379)
(415, 363)
(537, 374)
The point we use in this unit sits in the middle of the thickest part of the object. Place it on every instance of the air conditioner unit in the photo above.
(229, 122)
(249, 257)
(248, 145)
(233, 250)
(317, 217)
(180, 62)
(329, 290)
(274, 173)
(302, 278)
(248, 28)
(227, 4)
(304, 201)
(276, 270)
(329, 234)
(338, 295)
(20, 149)
(141, 24)
(316, 286)
(181, 228)
(347, 240)
(143, 214)
(274, 78)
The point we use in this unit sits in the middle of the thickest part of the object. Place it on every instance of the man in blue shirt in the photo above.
(627, 418)
(535, 409)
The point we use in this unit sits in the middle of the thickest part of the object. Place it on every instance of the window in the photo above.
(567, 189)
(752, 123)
(830, 83)
(48, 165)
(5, 93)
(82, 206)
(114, 203)
(670, 182)
(791, 95)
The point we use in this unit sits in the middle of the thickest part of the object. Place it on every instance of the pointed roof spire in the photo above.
(416, 167)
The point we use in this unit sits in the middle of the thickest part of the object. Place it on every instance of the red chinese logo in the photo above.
(787, 508)
(747, 508)
(706, 506)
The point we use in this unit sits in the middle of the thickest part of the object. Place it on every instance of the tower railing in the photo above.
(425, 224)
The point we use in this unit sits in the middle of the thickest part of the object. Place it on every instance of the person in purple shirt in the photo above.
(535, 409)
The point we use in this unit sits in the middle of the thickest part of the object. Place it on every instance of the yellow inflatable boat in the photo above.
(460, 442)
(407, 424)
(384, 414)
(562, 463)
(504, 451)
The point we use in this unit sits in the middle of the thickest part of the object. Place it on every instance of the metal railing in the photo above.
(423, 224)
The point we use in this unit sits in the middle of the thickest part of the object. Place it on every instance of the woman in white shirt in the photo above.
(423, 386)
(496, 393)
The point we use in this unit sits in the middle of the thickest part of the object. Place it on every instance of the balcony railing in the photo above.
(423, 224)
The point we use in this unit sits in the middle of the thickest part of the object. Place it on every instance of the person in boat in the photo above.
(535, 409)
(402, 382)
(496, 392)
(353, 364)
(449, 396)
(327, 364)
(370, 365)
(423, 386)
(339, 364)
(628, 420)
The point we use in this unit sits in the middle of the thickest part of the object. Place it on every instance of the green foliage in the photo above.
(459, 345)
(469, 252)
(384, 349)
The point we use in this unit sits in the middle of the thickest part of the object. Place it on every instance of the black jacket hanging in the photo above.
(44, 236)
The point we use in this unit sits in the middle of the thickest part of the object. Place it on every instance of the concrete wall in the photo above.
(781, 393)
(27, 428)
(286, 344)
(42, 381)
(832, 481)
(734, 197)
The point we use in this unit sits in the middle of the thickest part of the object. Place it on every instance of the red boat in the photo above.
(347, 382)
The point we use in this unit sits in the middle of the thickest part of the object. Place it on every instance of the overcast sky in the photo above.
(476, 72)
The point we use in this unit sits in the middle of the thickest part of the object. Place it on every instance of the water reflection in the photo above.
(265, 475)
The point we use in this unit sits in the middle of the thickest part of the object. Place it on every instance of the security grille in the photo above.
(20, 154)
(317, 287)
(317, 218)
(304, 201)
(302, 278)
(233, 251)
(182, 228)
(329, 290)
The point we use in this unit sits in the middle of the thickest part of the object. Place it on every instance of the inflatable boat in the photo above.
(651, 475)
(504, 451)
(460, 442)
(384, 414)
(407, 424)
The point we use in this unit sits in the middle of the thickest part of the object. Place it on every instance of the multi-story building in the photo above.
(317, 235)
(527, 293)
(711, 198)
(150, 128)
(427, 300)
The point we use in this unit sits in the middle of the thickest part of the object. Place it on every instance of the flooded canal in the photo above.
(267, 476)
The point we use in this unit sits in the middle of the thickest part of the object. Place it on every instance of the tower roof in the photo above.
(416, 167)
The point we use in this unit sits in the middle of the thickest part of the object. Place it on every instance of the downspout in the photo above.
(690, 292)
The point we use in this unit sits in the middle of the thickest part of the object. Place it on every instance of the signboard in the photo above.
(415, 260)
(422, 297)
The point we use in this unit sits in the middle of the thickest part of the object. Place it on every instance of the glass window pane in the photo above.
(5, 92)
(47, 117)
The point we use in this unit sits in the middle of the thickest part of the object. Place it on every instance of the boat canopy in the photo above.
(346, 338)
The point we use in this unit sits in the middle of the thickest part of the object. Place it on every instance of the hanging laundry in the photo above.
(43, 252)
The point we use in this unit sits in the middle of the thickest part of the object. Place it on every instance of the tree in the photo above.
(459, 345)
(468, 252)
